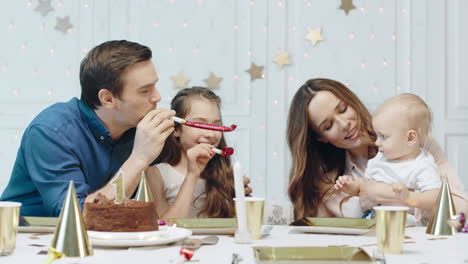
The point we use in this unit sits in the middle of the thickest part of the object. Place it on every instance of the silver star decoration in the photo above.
(282, 59)
(180, 80)
(44, 7)
(213, 82)
(63, 24)
(314, 35)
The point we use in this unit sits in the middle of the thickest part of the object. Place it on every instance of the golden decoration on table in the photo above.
(70, 236)
(282, 58)
(347, 5)
(311, 254)
(443, 211)
(180, 81)
(212, 82)
(314, 35)
(63, 24)
(144, 193)
(44, 7)
(255, 72)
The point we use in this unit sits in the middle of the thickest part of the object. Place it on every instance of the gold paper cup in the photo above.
(390, 228)
(254, 212)
(9, 219)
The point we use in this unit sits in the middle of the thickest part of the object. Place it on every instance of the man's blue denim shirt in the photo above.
(65, 142)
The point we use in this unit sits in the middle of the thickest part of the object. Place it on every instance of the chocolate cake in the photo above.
(129, 216)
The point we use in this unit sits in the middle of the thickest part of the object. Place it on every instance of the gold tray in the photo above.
(207, 226)
(33, 224)
(345, 226)
(311, 254)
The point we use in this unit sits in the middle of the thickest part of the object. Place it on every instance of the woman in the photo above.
(330, 134)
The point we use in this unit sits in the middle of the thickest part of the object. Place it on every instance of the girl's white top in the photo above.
(172, 182)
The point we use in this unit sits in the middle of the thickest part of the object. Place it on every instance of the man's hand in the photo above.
(247, 189)
(347, 185)
(198, 156)
(401, 191)
(151, 134)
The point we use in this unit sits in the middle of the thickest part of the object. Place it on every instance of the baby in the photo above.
(401, 123)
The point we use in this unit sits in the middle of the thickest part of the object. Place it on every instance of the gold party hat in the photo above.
(70, 237)
(144, 192)
(443, 211)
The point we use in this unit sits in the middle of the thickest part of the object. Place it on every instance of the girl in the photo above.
(330, 134)
(190, 179)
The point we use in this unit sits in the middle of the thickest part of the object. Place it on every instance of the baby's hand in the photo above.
(401, 191)
(347, 185)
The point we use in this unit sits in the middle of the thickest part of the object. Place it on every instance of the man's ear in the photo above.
(412, 136)
(106, 98)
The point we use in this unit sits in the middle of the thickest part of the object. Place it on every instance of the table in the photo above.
(419, 248)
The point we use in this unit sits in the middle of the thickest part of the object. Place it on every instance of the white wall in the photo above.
(380, 49)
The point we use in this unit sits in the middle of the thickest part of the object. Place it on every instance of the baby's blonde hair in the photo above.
(412, 108)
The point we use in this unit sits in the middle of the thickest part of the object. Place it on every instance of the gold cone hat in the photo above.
(444, 210)
(70, 237)
(144, 193)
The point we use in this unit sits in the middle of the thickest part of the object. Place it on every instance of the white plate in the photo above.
(331, 230)
(36, 229)
(165, 235)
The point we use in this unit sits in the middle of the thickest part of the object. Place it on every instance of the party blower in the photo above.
(225, 151)
(203, 125)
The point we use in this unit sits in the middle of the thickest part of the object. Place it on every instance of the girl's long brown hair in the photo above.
(316, 164)
(218, 172)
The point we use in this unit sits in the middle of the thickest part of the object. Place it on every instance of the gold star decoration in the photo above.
(255, 72)
(63, 24)
(180, 81)
(346, 6)
(213, 81)
(314, 36)
(44, 7)
(282, 58)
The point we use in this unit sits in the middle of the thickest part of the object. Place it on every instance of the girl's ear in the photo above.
(176, 132)
(412, 136)
(106, 98)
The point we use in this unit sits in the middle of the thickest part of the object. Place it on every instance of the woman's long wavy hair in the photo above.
(218, 173)
(316, 164)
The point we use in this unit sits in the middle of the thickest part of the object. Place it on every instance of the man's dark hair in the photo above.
(104, 65)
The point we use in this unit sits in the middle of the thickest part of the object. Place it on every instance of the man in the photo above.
(115, 127)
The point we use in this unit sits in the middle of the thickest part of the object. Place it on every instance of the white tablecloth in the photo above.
(418, 249)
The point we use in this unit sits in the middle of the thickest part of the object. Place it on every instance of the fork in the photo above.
(379, 256)
(6, 251)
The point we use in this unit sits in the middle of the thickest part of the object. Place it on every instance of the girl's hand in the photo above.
(198, 156)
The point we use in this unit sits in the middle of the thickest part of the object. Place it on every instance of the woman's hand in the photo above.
(198, 156)
(247, 189)
(369, 193)
(401, 191)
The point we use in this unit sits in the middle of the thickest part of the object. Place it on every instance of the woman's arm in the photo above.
(373, 193)
(460, 199)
